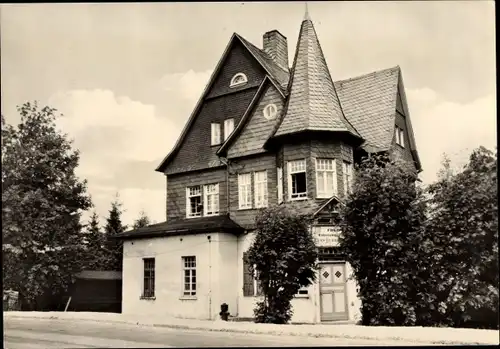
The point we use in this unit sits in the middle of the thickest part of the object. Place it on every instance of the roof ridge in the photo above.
(266, 55)
(373, 73)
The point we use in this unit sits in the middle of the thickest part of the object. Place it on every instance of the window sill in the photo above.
(192, 217)
(325, 196)
(147, 298)
(299, 199)
(188, 298)
(306, 296)
(211, 215)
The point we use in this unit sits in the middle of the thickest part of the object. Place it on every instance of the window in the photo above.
(215, 134)
(270, 111)
(280, 185)
(228, 128)
(149, 278)
(326, 177)
(297, 179)
(189, 268)
(238, 79)
(260, 189)
(347, 171)
(245, 190)
(400, 136)
(193, 201)
(303, 292)
(211, 199)
(251, 286)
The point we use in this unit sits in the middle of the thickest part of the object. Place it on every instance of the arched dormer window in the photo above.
(238, 80)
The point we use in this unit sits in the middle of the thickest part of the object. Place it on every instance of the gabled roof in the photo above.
(312, 103)
(369, 103)
(275, 73)
(246, 117)
(184, 226)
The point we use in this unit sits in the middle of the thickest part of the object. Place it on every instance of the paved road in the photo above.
(48, 333)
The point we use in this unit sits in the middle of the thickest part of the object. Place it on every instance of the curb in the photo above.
(256, 331)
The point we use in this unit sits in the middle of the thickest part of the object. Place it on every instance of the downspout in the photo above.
(209, 277)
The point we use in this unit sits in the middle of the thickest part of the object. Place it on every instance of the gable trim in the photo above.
(211, 81)
(404, 103)
(246, 116)
(335, 197)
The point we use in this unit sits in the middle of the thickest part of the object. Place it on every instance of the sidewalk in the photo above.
(418, 335)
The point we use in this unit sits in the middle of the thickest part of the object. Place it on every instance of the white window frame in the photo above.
(302, 293)
(189, 195)
(260, 183)
(244, 191)
(234, 83)
(215, 134)
(280, 184)
(326, 166)
(270, 111)
(347, 170)
(211, 190)
(301, 163)
(189, 271)
(400, 136)
(228, 128)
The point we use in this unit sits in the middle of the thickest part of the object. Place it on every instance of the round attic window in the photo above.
(270, 111)
(238, 79)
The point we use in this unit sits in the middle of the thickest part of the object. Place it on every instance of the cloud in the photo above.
(122, 140)
(456, 129)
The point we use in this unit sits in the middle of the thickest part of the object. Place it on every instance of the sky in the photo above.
(126, 76)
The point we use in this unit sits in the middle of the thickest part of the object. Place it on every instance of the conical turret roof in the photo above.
(313, 103)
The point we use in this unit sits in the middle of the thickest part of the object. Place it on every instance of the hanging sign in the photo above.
(326, 236)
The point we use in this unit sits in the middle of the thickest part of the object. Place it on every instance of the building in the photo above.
(263, 134)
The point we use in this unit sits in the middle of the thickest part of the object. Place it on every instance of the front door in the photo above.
(333, 295)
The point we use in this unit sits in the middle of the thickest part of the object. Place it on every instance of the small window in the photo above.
(189, 282)
(325, 178)
(400, 136)
(149, 278)
(270, 111)
(238, 80)
(297, 179)
(347, 172)
(215, 134)
(228, 128)
(302, 292)
(245, 190)
(211, 199)
(260, 189)
(193, 201)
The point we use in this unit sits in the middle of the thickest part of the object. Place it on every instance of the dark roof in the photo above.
(184, 226)
(278, 75)
(99, 275)
(313, 104)
(369, 102)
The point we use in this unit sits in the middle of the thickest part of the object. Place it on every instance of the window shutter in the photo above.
(248, 290)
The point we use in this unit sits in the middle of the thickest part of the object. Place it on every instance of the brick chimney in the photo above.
(275, 45)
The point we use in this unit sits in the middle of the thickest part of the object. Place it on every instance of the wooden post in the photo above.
(67, 304)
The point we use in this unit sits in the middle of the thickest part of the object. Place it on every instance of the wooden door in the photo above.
(333, 292)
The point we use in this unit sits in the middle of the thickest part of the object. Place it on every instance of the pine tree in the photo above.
(142, 221)
(95, 244)
(113, 227)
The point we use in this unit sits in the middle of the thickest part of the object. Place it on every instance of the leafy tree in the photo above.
(283, 255)
(114, 226)
(382, 231)
(96, 243)
(142, 221)
(41, 199)
(463, 228)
